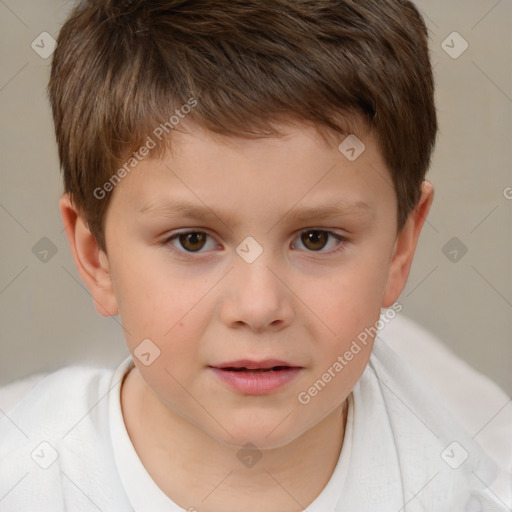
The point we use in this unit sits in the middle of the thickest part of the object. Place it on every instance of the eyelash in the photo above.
(187, 254)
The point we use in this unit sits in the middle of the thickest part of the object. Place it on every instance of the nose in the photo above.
(257, 296)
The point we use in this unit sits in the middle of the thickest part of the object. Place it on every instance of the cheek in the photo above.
(349, 309)
(351, 301)
(158, 307)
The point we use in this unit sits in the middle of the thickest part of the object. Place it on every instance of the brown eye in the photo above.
(315, 240)
(192, 241)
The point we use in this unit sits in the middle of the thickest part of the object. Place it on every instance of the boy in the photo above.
(289, 141)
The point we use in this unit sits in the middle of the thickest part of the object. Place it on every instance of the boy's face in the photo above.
(245, 285)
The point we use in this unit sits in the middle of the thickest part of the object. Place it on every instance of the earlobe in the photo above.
(92, 263)
(405, 246)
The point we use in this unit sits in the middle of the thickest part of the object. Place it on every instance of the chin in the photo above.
(264, 433)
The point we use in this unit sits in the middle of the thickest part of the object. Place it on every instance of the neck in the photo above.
(208, 475)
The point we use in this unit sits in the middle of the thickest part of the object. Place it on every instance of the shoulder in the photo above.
(55, 439)
(12, 393)
(477, 403)
(49, 405)
(50, 399)
(433, 433)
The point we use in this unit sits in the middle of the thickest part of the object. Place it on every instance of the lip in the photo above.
(255, 365)
(256, 382)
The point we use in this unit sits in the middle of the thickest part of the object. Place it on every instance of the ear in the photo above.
(405, 247)
(91, 262)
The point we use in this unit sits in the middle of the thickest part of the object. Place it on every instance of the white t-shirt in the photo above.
(64, 446)
(143, 493)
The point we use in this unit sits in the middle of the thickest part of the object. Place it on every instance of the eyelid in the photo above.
(175, 234)
(341, 238)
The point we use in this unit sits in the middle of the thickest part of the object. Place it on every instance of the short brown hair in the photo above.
(122, 67)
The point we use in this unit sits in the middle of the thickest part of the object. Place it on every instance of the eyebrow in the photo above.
(178, 208)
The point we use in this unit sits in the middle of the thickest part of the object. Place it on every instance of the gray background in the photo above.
(47, 316)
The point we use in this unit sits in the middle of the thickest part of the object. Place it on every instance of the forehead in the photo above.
(303, 167)
(288, 133)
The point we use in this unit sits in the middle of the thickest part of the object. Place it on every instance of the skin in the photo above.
(299, 301)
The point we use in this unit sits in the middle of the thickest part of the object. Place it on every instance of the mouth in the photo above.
(247, 365)
(256, 370)
(256, 377)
